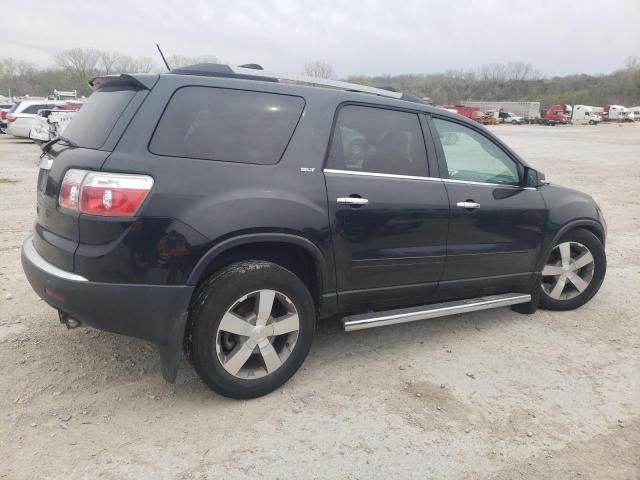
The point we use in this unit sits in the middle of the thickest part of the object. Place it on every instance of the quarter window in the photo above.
(472, 157)
(377, 140)
(228, 125)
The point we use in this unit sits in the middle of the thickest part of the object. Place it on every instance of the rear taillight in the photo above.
(11, 118)
(70, 190)
(3, 115)
(104, 194)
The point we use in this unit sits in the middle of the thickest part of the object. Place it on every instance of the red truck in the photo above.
(474, 113)
(557, 114)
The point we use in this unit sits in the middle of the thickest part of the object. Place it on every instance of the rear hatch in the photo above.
(88, 141)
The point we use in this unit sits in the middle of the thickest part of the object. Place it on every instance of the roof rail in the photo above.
(323, 82)
(255, 72)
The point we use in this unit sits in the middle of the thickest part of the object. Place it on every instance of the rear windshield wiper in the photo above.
(57, 139)
(71, 143)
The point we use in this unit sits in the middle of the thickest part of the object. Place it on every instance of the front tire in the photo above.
(251, 327)
(573, 272)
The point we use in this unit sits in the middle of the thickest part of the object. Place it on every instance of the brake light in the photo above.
(104, 194)
(11, 118)
(3, 115)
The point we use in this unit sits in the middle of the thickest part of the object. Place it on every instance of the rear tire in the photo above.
(573, 272)
(249, 356)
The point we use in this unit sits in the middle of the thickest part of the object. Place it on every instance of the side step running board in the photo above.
(391, 317)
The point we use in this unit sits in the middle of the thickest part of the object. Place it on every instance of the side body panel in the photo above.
(493, 248)
(218, 200)
(392, 250)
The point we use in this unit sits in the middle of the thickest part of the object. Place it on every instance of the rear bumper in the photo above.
(156, 313)
(17, 130)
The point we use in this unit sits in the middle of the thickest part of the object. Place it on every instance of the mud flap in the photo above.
(171, 352)
(532, 306)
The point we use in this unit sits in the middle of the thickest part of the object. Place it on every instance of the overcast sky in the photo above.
(355, 37)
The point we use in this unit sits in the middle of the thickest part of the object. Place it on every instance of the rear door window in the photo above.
(93, 123)
(227, 125)
(378, 140)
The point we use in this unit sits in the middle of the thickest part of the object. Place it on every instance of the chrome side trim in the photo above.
(29, 251)
(483, 184)
(428, 179)
(382, 175)
(392, 317)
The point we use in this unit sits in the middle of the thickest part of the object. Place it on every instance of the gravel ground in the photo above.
(487, 395)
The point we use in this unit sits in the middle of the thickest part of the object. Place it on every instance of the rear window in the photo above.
(34, 108)
(92, 124)
(228, 125)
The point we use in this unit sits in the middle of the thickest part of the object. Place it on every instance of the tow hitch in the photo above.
(69, 322)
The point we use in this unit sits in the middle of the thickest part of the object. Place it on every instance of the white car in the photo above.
(20, 117)
(511, 118)
(631, 117)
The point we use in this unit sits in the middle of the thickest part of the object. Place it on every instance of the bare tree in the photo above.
(631, 63)
(519, 71)
(319, 70)
(80, 65)
(128, 64)
(107, 61)
(145, 65)
(494, 72)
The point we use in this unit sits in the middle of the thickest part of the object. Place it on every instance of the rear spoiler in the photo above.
(145, 81)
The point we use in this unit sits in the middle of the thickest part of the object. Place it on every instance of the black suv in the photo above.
(224, 211)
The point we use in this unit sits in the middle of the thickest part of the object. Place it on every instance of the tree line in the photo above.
(73, 69)
(517, 81)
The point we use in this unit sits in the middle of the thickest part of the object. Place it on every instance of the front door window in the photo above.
(472, 157)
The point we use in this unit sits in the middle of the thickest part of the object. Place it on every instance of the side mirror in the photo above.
(533, 178)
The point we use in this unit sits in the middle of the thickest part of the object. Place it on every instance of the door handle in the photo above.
(353, 201)
(468, 204)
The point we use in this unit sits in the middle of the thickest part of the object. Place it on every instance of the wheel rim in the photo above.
(257, 334)
(568, 271)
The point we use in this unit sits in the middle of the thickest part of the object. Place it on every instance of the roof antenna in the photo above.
(163, 59)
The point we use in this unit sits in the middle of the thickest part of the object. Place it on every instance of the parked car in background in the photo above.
(508, 117)
(614, 113)
(232, 232)
(584, 114)
(529, 111)
(65, 95)
(558, 114)
(474, 113)
(21, 117)
(5, 107)
(49, 123)
(636, 113)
